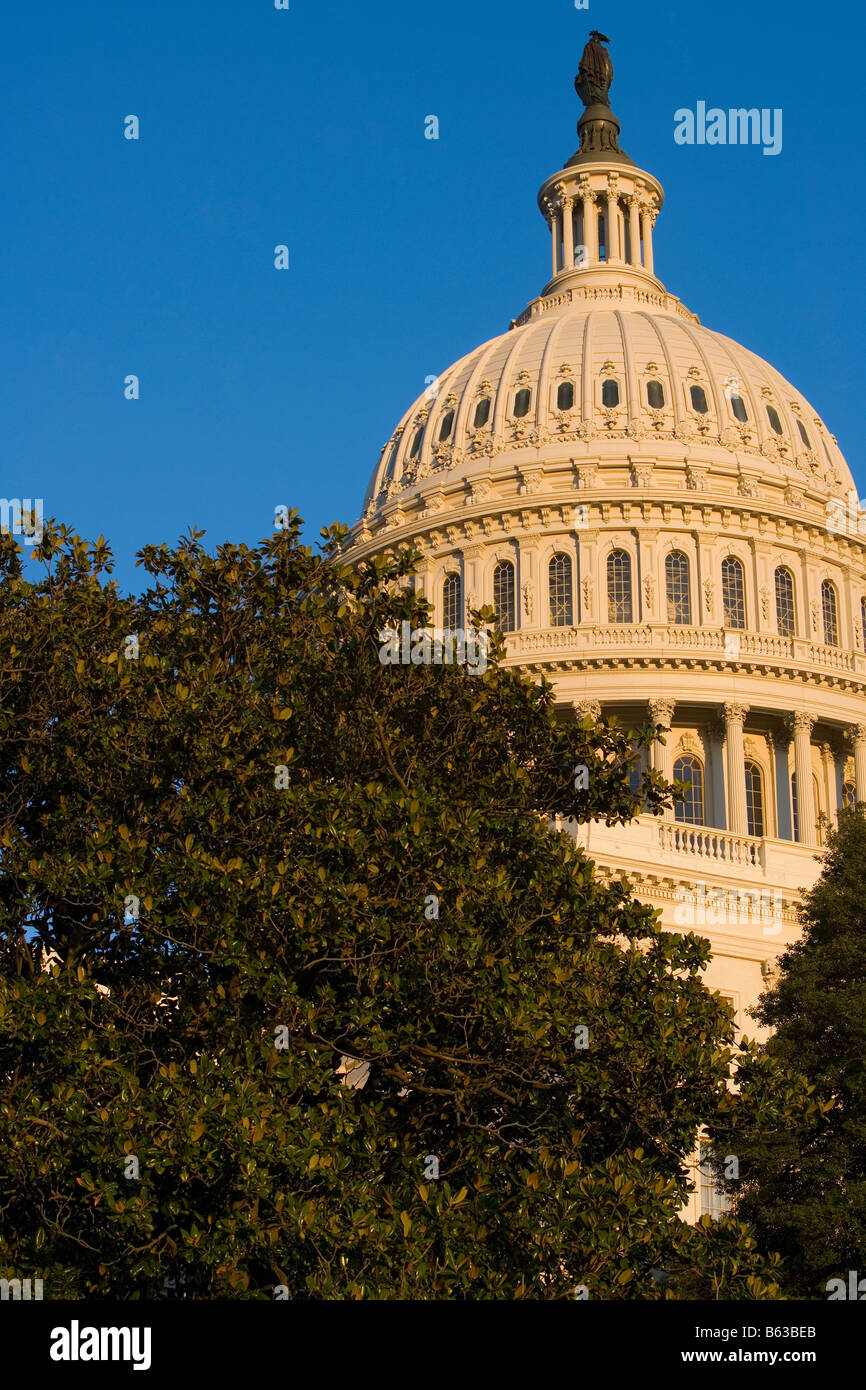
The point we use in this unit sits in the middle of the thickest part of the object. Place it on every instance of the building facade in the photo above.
(664, 526)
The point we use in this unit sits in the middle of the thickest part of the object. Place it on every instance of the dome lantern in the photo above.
(600, 208)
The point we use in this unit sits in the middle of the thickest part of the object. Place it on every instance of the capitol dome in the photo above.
(594, 363)
(668, 533)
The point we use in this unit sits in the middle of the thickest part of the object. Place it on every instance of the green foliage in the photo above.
(802, 1144)
(252, 928)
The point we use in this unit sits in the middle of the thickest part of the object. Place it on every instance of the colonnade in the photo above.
(727, 724)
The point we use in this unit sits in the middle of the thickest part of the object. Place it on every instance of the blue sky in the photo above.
(306, 127)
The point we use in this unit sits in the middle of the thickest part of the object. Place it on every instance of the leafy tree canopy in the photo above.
(245, 866)
(802, 1150)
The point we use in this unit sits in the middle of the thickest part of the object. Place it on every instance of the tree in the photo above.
(299, 989)
(802, 1156)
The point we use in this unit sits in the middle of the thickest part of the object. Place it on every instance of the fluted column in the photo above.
(584, 708)
(554, 237)
(646, 219)
(613, 253)
(735, 717)
(801, 726)
(634, 228)
(590, 224)
(858, 737)
(567, 206)
(771, 811)
(662, 712)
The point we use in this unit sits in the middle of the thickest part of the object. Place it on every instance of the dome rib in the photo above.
(633, 402)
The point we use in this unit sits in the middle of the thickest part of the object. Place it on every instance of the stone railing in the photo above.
(671, 639)
(715, 845)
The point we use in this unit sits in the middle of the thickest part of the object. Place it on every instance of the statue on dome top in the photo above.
(594, 72)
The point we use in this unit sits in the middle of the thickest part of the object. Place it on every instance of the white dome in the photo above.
(586, 337)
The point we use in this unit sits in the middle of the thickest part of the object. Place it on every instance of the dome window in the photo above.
(733, 593)
(785, 623)
(619, 608)
(773, 417)
(452, 602)
(699, 400)
(503, 596)
(610, 393)
(565, 396)
(446, 427)
(482, 412)
(416, 443)
(754, 800)
(677, 587)
(863, 620)
(522, 402)
(803, 435)
(655, 395)
(690, 810)
(738, 406)
(829, 608)
(559, 591)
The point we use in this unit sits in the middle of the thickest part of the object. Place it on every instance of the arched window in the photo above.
(738, 406)
(690, 811)
(803, 435)
(655, 395)
(755, 800)
(452, 602)
(565, 396)
(610, 393)
(482, 412)
(785, 621)
(733, 593)
(699, 400)
(522, 402)
(619, 608)
(773, 417)
(677, 585)
(829, 608)
(416, 443)
(559, 590)
(849, 795)
(447, 425)
(503, 595)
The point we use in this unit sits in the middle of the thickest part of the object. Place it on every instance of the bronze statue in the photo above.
(594, 72)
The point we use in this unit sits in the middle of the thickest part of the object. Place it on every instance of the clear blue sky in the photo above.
(306, 127)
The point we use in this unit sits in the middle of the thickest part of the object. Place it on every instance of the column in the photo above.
(554, 236)
(735, 717)
(662, 712)
(567, 209)
(858, 735)
(634, 227)
(715, 776)
(590, 225)
(829, 769)
(771, 810)
(802, 725)
(784, 817)
(584, 708)
(612, 225)
(647, 232)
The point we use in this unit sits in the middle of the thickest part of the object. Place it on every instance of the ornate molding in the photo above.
(662, 712)
(586, 707)
(735, 713)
